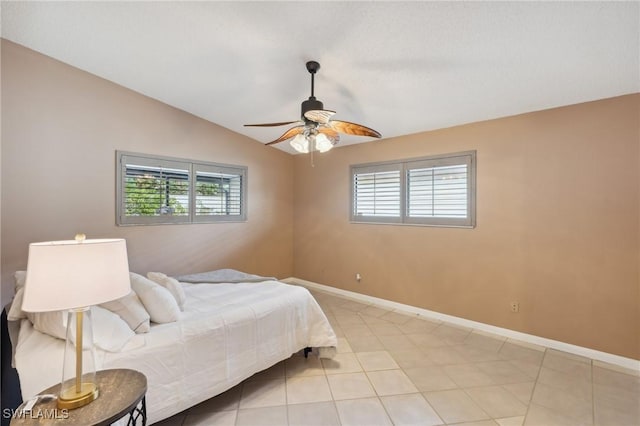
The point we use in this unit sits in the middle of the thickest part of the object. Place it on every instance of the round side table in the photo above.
(121, 393)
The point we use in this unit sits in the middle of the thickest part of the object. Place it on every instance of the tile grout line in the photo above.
(535, 385)
(333, 398)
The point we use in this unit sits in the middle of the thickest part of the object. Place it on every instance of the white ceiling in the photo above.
(398, 67)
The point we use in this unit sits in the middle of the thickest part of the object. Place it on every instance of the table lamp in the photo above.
(74, 275)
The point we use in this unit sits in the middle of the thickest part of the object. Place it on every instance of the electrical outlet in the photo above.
(515, 307)
(358, 277)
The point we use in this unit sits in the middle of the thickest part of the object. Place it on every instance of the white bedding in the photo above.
(226, 333)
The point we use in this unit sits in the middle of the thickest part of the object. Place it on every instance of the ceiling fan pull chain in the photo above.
(312, 147)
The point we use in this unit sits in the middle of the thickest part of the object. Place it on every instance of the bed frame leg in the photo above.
(306, 351)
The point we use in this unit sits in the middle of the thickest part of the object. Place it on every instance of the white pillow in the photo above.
(53, 323)
(170, 284)
(15, 311)
(157, 300)
(131, 310)
(110, 332)
(21, 278)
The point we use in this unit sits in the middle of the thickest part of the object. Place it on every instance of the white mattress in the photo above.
(226, 333)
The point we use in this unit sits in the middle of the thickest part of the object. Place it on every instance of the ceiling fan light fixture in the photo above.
(305, 143)
(300, 144)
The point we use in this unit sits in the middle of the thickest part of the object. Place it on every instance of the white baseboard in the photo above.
(626, 363)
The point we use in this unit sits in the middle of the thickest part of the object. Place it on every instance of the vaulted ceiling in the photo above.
(398, 67)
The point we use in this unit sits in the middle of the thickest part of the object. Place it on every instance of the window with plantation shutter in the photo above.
(376, 193)
(434, 191)
(219, 193)
(162, 190)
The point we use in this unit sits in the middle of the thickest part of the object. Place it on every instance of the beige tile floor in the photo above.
(397, 369)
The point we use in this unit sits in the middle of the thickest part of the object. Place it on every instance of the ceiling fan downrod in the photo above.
(312, 67)
(312, 103)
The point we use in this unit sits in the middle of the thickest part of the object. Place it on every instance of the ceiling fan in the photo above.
(316, 131)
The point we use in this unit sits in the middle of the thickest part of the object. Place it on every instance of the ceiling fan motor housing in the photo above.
(310, 104)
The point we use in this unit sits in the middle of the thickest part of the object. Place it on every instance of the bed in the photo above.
(226, 332)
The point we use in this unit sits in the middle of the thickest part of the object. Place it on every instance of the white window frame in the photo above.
(191, 167)
(467, 158)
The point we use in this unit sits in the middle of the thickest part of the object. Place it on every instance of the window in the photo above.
(436, 191)
(377, 193)
(155, 190)
(218, 191)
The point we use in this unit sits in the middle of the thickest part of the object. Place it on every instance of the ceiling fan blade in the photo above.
(321, 116)
(353, 129)
(288, 134)
(271, 124)
(330, 133)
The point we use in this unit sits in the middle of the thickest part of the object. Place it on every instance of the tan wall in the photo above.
(557, 227)
(61, 128)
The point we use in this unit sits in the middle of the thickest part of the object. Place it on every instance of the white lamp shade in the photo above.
(323, 144)
(300, 144)
(74, 274)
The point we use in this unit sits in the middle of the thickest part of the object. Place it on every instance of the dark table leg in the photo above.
(139, 412)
